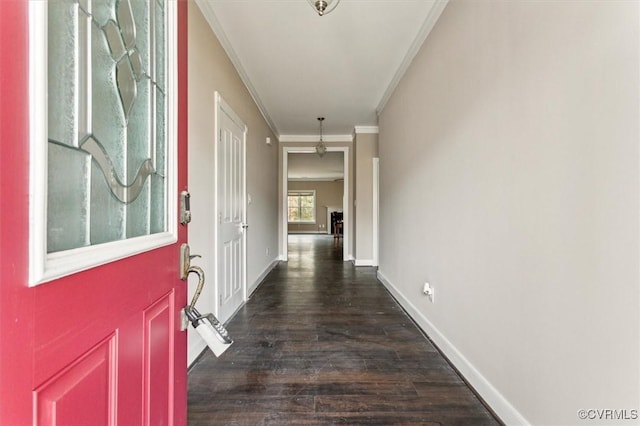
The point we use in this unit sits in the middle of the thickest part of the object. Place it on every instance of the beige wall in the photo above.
(211, 70)
(366, 148)
(510, 173)
(328, 194)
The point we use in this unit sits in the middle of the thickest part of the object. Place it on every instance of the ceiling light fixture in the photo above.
(321, 147)
(324, 6)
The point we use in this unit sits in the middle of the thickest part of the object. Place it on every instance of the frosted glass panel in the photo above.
(158, 181)
(62, 90)
(126, 83)
(160, 133)
(157, 204)
(109, 124)
(104, 101)
(138, 214)
(127, 23)
(138, 147)
(103, 11)
(107, 213)
(159, 44)
(112, 34)
(136, 64)
(141, 15)
(67, 212)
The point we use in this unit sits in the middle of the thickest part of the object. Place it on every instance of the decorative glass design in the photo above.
(106, 121)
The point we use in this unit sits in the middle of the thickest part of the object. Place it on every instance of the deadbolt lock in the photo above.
(185, 207)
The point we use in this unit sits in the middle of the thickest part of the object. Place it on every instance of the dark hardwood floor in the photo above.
(321, 342)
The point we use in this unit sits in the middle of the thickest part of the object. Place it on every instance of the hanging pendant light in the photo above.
(321, 148)
(324, 6)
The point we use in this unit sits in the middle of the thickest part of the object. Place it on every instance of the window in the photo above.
(106, 103)
(302, 206)
(103, 111)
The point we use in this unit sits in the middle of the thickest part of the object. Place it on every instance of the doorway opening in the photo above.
(312, 189)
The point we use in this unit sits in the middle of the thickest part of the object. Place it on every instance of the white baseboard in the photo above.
(261, 277)
(363, 262)
(498, 403)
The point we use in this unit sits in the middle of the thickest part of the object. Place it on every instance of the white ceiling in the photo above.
(311, 167)
(299, 66)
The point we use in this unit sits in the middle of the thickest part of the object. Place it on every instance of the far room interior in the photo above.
(315, 191)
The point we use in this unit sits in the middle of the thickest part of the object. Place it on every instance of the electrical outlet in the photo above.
(429, 291)
(267, 251)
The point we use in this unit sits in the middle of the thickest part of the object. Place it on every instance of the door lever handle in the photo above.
(185, 261)
(200, 273)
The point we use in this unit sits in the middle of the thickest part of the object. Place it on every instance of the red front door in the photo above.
(100, 346)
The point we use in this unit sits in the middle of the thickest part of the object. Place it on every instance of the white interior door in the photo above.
(231, 208)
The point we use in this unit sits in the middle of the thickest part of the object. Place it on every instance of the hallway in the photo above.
(322, 342)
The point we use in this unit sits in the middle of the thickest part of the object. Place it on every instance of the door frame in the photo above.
(220, 106)
(346, 207)
(376, 211)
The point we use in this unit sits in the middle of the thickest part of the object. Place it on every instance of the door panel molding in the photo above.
(159, 361)
(88, 382)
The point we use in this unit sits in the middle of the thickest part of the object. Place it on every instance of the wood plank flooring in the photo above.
(321, 342)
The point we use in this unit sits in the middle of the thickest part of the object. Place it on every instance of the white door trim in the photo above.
(376, 210)
(346, 208)
(221, 105)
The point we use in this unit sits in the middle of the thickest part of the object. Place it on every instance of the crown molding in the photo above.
(425, 29)
(216, 27)
(359, 130)
(315, 138)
